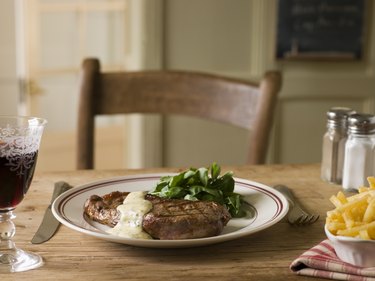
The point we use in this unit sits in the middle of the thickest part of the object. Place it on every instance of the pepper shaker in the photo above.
(334, 144)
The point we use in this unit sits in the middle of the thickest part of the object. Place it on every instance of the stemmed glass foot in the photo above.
(14, 259)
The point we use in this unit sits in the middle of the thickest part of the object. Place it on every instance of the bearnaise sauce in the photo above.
(132, 212)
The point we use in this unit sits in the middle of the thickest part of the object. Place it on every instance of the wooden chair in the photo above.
(243, 104)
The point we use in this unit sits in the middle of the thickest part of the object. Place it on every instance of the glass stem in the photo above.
(7, 230)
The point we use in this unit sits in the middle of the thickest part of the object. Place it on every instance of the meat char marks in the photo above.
(184, 219)
(169, 219)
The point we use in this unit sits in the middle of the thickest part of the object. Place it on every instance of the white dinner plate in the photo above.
(268, 206)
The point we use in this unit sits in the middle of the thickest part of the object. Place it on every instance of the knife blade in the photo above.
(50, 224)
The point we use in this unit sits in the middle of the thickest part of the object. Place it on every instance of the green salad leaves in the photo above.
(204, 184)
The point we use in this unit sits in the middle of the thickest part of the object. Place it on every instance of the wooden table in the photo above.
(266, 255)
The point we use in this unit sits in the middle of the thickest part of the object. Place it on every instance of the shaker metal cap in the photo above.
(337, 116)
(339, 112)
(361, 123)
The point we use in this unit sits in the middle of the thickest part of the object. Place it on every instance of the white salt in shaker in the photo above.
(359, 160)
(334, 144)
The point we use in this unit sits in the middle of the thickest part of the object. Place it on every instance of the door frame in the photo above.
(144, 133)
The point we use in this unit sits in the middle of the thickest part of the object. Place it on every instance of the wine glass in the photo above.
(19, 145)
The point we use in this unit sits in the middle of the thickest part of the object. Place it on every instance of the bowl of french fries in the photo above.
(351, 225)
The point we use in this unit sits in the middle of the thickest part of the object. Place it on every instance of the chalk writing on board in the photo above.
(320, 28)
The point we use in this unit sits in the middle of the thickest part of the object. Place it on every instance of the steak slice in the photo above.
(169, 219)
(104, 209)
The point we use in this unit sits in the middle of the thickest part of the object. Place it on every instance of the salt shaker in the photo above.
(359, 151)
(334, 144)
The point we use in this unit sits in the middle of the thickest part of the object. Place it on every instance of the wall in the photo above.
(239, 40)
(8, 78)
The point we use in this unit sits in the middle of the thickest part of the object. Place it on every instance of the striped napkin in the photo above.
(322, 261)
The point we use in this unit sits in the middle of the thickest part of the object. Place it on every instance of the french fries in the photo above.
(354, 215)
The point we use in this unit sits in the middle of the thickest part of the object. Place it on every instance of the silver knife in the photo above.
(49, 223)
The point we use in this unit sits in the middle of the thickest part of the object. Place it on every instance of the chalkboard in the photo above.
(313, 29)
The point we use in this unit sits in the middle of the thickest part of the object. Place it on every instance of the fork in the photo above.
(296, 214)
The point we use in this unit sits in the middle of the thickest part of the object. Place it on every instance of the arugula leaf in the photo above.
(215, 171)
(203, 176)
(202, 184)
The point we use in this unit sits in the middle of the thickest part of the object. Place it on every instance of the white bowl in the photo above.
(355, 251)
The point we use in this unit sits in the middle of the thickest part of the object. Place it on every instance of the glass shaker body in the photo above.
(333, 155)
(333, 150)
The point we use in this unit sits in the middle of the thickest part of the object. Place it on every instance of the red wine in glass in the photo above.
(16, 174)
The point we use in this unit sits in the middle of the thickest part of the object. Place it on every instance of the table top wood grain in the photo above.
(265, 255)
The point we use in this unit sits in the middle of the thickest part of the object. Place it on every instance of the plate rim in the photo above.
(58, 204)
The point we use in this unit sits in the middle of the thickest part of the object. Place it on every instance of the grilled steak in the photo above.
(169, 219)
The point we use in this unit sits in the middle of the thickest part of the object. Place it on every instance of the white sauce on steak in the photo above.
(133, 209)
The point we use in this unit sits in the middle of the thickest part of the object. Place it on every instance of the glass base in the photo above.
(20, 260)
(13, 259)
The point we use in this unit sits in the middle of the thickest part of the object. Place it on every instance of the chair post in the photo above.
(88, 86)
(270, 86)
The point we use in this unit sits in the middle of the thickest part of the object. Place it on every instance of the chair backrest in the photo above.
(232, 101)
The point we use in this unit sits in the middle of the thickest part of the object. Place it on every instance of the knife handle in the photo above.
(60, 187)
